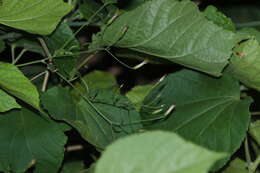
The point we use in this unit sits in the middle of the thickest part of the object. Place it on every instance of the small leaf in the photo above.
(207, 111)
(93, 81)
(138, 93)
(245, 63)
(28, 139)
(7, 102)
(219, 18)
(34, 16)
(172, 30)
(106, 117)
(155, 152)
(254, 131)
(73, 167)
(236, 166)
(14, 82)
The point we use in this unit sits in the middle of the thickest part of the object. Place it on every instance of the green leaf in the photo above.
(14, 82)
(28, 139)
(65, 61)
(2, 46)
(254, 131)
(155, 152)
(138, 93)
(93, 81)
(109, 1)
(89, 7)
(207, 111)
(7, 102)
(34, 16)
(236, 166)
(100, 80)
(73, 167)
(173, 30)
(245, 63)
(219, 18)
(91, 119)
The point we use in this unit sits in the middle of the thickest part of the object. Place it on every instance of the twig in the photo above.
(45, 81)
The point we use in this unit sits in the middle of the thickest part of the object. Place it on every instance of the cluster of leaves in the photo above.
(204, 107)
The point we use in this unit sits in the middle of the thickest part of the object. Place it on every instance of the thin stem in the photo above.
(247, 152)
(124, 64)
(15, 60)
(83, 63)
(45, 48)
(33, 62)
(13, 46)
(45, 81)
(37, 76)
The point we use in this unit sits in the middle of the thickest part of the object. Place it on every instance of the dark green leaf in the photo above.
(89, 7)
(207, 111)
(173, 30)
(14, 82)
(106, 117)
(2, 46)
(65, 61)
(155, 152)
(30, 45)
(28, 139)
(109, 1)
(34, 16)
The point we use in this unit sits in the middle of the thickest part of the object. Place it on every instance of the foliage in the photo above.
(195, 118)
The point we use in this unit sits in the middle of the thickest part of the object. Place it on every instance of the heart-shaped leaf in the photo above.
(201, 109)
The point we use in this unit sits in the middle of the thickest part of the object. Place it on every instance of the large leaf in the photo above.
(7, 102)
(26, 138)
(245, 63)
(208, 111)
(34, 16)
(173, 30)
(92, 118)
(155, 152)
(14, 82)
